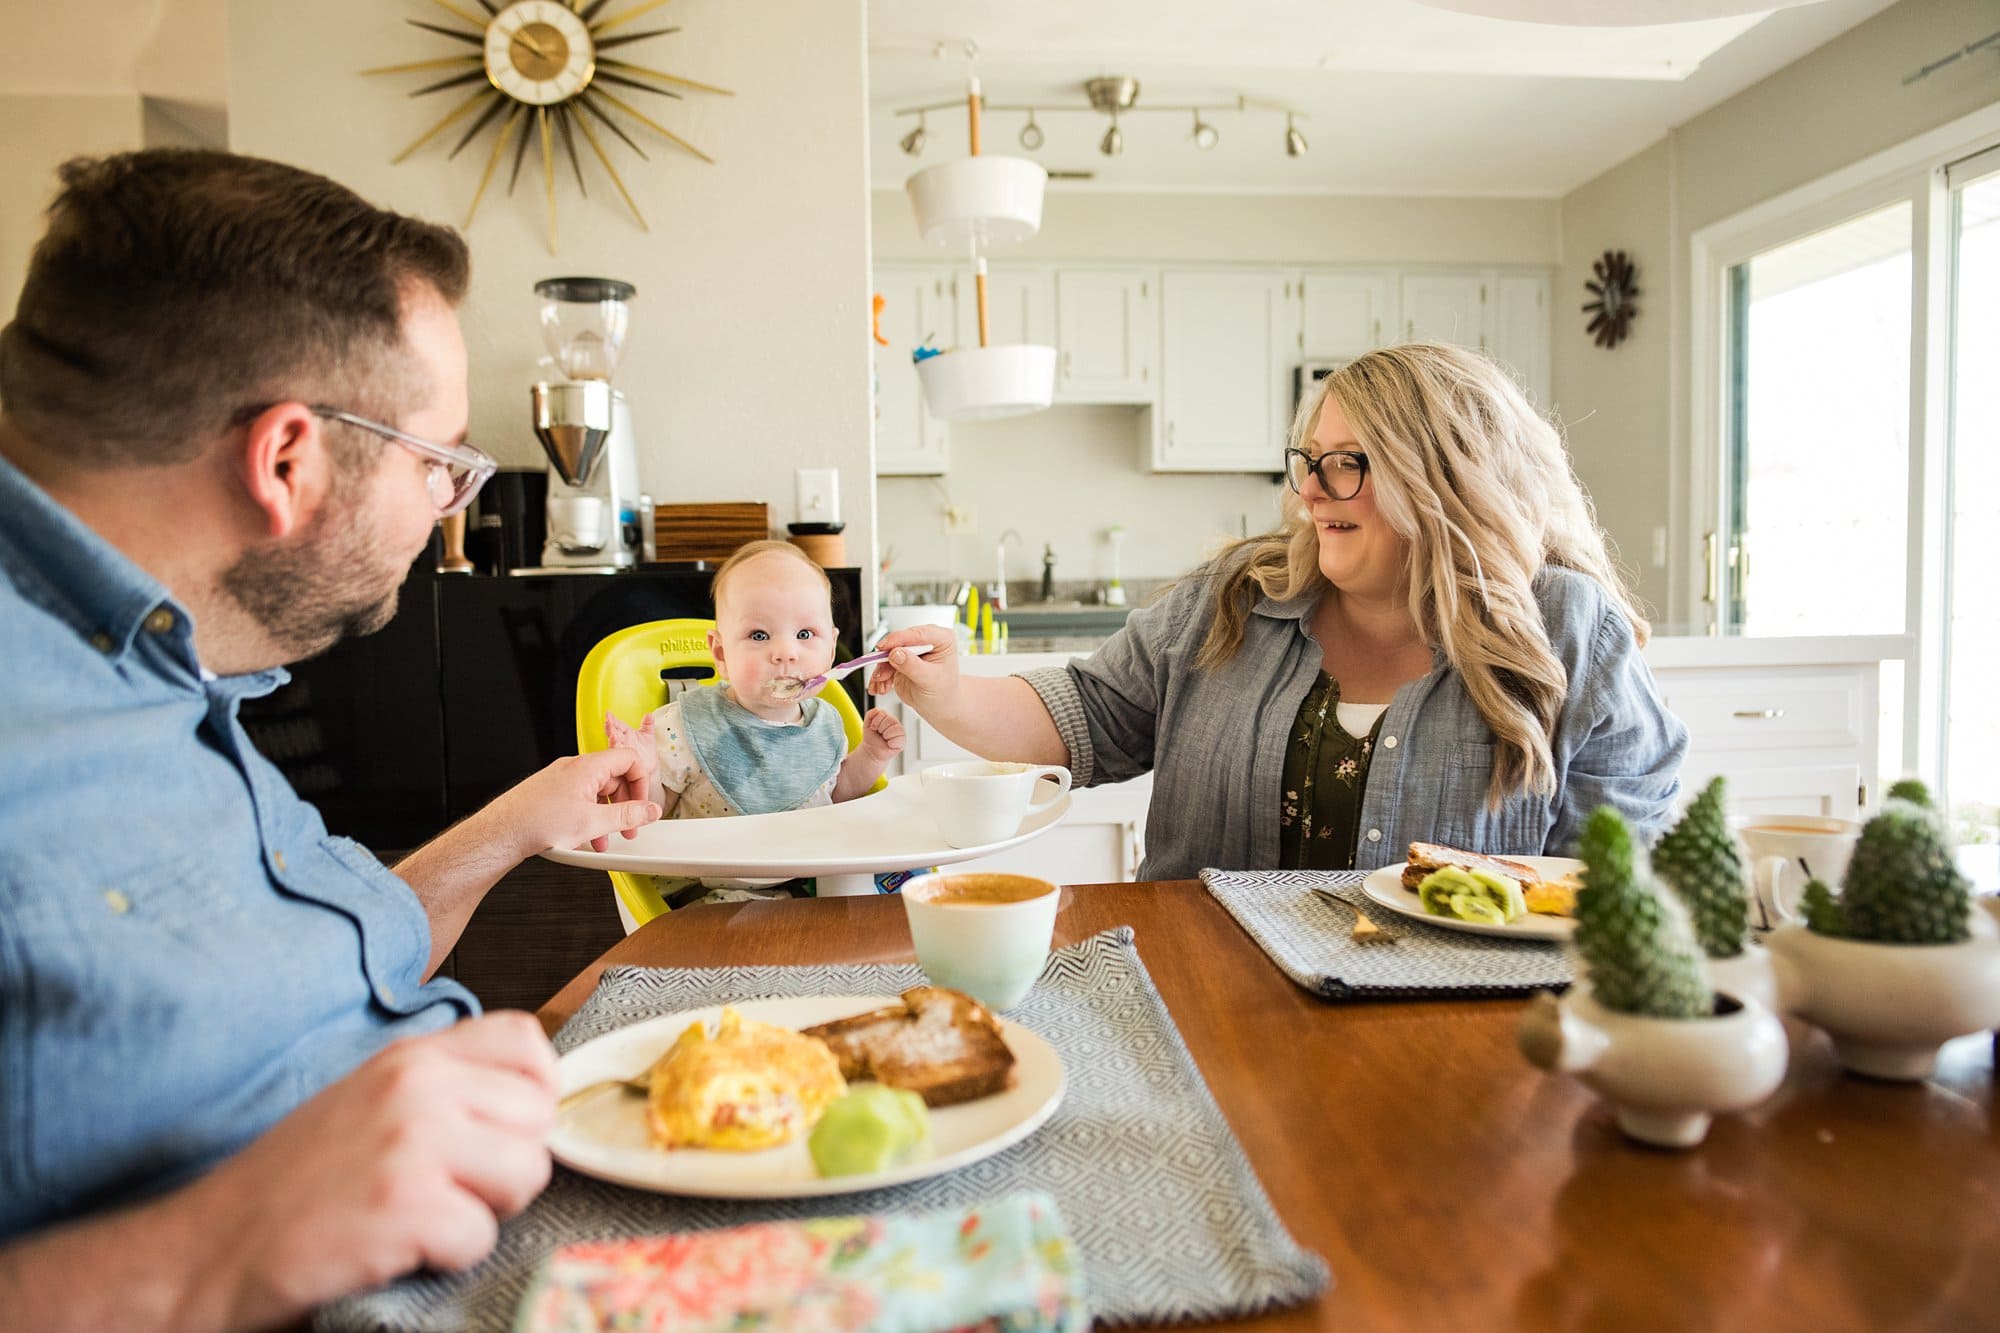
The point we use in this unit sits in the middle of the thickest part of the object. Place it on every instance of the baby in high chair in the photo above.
(748, 745)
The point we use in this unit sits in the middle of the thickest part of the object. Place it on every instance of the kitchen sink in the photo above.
(1063, 618)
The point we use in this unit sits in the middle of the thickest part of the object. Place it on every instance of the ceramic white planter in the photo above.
(1749, 974)
(1667, 1078)
(1888, 1007)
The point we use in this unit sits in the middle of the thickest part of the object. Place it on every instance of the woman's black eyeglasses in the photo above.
(1339, 472)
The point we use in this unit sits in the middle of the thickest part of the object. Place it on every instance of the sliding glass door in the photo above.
(1971, 746)
(1817, 497)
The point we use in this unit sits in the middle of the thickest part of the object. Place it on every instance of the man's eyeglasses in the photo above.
(456, 471)
(1339, 472)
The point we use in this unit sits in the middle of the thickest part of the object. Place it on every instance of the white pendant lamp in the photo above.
(969, 205)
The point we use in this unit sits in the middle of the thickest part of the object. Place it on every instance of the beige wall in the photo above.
(1614, 402)
(1256, 228)
(1831, 108)
(748, 355)
(38, 134)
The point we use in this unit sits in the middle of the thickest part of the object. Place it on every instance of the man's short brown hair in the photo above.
(176, 287)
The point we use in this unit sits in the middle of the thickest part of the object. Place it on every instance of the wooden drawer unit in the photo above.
(1771, 708)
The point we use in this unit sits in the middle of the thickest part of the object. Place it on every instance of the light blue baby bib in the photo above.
(762, 767)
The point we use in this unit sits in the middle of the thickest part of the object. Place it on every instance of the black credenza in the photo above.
(470, 688)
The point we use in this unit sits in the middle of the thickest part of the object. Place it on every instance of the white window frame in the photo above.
(1913, 171)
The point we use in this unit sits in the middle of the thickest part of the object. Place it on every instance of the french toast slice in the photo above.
(1544, 896)
(941, 1044)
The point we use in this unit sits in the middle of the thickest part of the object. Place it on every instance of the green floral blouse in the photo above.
(1325, 772)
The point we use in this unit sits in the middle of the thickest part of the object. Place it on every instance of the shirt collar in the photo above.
(80, 576)
(74, 573)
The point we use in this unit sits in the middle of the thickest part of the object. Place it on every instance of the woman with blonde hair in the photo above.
(1433, 646)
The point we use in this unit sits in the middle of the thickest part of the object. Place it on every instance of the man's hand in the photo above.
(881, 737)
(412, 1161)
(563, 806)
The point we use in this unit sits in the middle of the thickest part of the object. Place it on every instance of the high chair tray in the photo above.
(891, 829)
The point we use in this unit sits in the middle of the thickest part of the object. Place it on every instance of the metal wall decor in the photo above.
(542, 70)
(1613, 310)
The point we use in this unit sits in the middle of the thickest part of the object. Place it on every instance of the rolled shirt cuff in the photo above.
(1059, 694)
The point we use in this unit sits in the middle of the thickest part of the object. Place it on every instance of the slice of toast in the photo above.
(940, 1044)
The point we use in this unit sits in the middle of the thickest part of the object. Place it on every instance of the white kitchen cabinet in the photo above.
(1020, 307)
(1345, 313)
(1445, 308)
(1518, 336)
(1228, 346)
(1793, 738)
(919, 306)
(1107, 335)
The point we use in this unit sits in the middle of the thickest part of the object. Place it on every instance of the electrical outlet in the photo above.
(817, 490)
(960, 518)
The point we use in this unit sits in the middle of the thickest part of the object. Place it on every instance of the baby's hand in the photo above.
(881, 735)
(638, 740)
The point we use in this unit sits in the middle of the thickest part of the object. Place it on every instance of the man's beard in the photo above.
(331, 582)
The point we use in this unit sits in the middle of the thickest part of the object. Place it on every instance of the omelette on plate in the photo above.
(746, 1087)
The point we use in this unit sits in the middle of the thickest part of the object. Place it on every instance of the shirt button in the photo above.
(278, 860)
(102, 642)
(159, 620)
(386, 996)
(1388, 742)
(1374, 835)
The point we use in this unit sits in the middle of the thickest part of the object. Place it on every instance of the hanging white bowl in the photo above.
(986, 383)
(990, 200)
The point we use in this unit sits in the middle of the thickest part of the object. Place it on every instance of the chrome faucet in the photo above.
(1048, 572)
(1000, 588)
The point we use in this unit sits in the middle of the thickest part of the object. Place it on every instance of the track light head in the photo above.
(1295, 143)
(913, 142)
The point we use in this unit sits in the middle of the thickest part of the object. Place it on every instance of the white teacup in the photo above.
(1784, 849)
(980, 801)
(983, 933)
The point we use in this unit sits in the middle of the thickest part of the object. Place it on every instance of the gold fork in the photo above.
(1365, 930)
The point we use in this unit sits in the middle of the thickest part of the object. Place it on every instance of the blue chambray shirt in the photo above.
(185, 953)
(1215, 740)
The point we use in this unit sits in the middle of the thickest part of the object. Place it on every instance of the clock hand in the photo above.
(529, 42)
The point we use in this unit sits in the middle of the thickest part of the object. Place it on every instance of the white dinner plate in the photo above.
(606, 1136)
(891, 829)
(1385, 886)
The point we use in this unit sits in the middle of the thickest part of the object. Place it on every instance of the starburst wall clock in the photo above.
(543, 77)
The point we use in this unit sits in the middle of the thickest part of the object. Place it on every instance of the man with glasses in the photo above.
(232, 407)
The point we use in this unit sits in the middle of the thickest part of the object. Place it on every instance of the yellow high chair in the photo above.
(623, 674)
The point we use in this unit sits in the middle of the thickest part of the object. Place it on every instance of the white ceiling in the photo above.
(1397, 97)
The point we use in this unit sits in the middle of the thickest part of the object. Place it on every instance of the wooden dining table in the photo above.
(1450, 1185)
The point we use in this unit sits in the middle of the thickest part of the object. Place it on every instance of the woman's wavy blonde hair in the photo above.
(1481, 487)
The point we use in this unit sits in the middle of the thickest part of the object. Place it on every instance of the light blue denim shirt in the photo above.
(1215, 740)
(185, 953)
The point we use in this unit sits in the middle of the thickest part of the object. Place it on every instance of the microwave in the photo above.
(1309, 373)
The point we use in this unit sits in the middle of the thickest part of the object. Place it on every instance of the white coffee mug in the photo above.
(980, 801)
(981, 932)
(1784, 851)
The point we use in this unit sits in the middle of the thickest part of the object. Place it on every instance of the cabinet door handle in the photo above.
(1759, 712)
(1378, 334)
(1409, 330)
(1065, 365)
(1170, 435)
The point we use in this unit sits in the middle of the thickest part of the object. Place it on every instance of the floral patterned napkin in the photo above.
(1004, 1265)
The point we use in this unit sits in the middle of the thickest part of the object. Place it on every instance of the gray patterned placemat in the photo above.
(1307, 937)
(1170, 1219)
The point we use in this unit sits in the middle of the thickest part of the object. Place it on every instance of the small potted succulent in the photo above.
(1643, 1027)
(1902, 960)
(1699, 859)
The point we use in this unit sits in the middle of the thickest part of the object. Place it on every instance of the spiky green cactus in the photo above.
(1640, 948)
(1913, 791)
(1822, 909)
(1699, 861)
(1902, 886)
